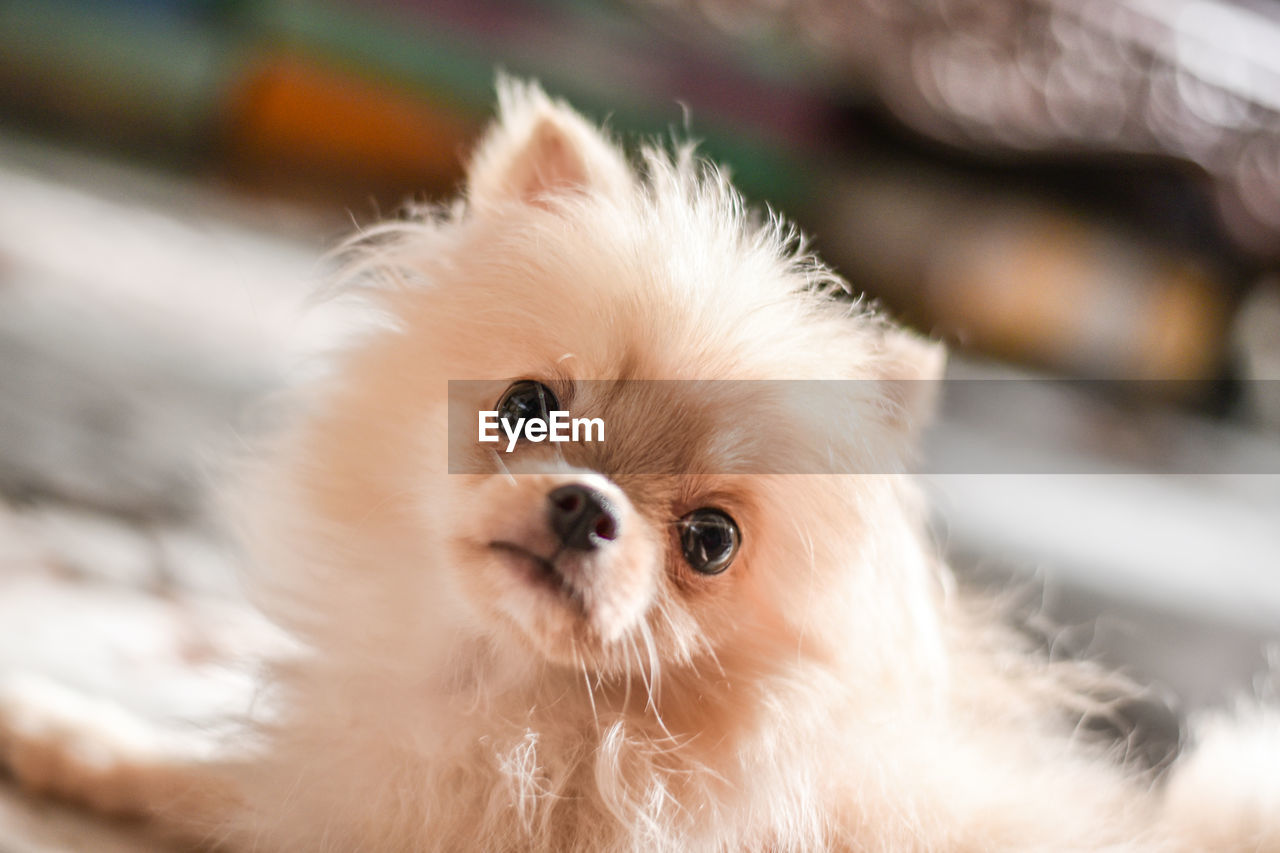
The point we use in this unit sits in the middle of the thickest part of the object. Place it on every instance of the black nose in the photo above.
(582, 517)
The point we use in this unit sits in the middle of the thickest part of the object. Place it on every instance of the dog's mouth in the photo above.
(539, 570)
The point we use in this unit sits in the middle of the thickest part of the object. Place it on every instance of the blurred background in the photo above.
(1083, 189)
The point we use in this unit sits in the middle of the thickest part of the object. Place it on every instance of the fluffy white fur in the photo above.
(830, 691)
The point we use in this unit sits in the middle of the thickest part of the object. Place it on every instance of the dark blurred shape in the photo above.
(1025, 280)
(1197, 80)
(118, 74)
(1257, 341)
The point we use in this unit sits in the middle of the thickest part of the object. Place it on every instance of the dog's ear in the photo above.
(538, 149)
(910, 368)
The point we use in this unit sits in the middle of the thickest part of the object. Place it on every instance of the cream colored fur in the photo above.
(828, 692)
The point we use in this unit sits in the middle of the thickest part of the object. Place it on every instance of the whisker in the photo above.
(626, 695)
(505, 470)
(586, 680)
(648, 678)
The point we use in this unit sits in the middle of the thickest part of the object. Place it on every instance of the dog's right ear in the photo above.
(538, 149)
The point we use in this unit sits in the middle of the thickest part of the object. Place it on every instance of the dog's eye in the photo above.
(709, 539)
(527, 399)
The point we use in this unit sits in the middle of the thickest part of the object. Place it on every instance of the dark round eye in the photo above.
(709, 539)
(527, 399)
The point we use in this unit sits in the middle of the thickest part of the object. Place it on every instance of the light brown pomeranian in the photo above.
(669, 640)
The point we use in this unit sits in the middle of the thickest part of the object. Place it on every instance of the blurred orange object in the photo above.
(294, 118)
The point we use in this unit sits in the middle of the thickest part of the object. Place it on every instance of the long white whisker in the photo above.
(626, 695)
(505, 470)
(649, 677)
(586, 680)
(655, 664)
(644, 678)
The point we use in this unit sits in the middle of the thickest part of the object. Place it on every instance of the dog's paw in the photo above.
(60, 743)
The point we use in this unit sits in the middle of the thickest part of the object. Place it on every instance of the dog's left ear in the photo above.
(911, 369)
(538, 149)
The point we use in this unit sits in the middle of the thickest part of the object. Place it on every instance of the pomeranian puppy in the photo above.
(666, 640)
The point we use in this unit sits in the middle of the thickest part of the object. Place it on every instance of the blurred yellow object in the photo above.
(1043, 288)
(1020, 279)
